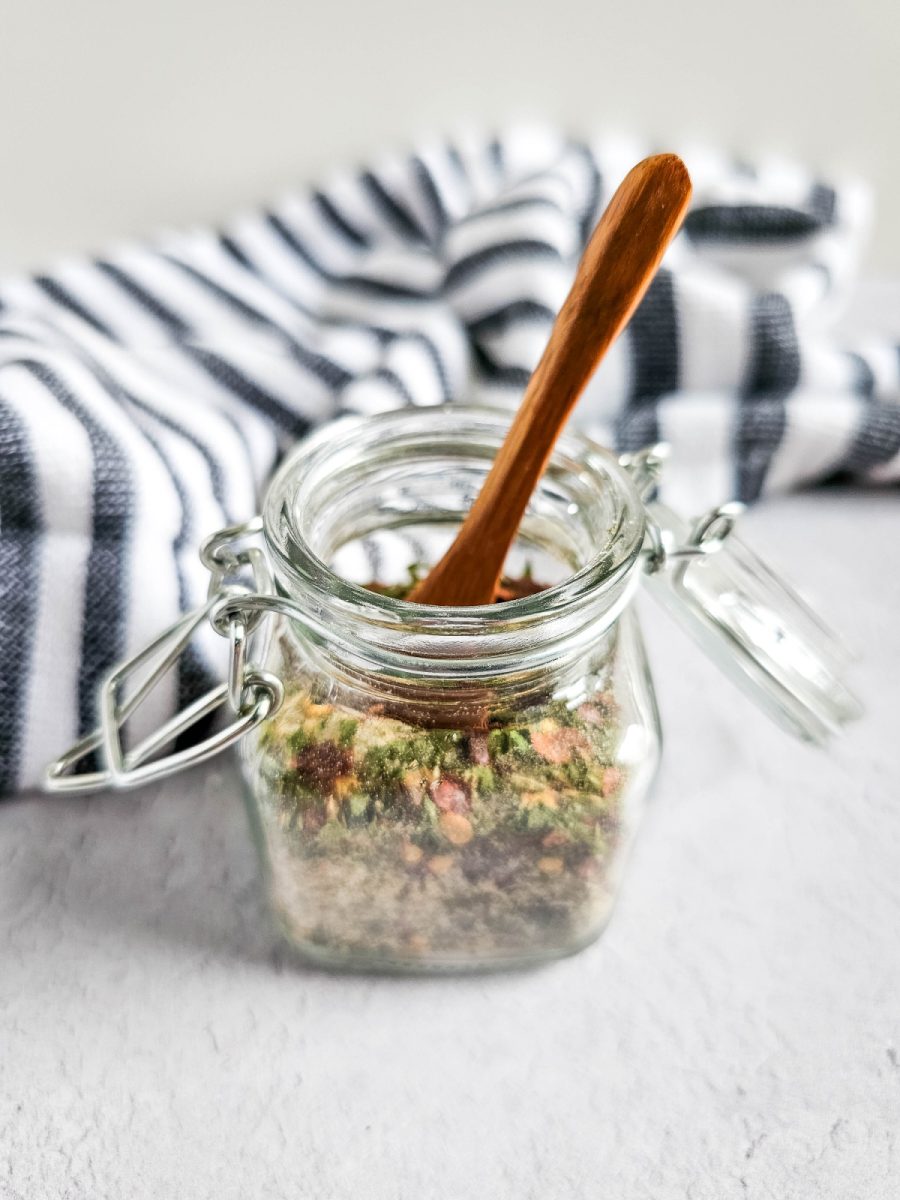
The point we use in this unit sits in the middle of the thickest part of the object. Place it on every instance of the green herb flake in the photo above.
(358, 805)
(299, 740)
(519, 742)
(346, 731)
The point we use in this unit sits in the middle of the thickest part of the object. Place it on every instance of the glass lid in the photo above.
(749, 621)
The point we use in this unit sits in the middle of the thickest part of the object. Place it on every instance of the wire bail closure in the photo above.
(251, 693)
(707, 536)
(661, 550)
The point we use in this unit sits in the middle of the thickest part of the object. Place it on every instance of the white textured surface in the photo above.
(736, 1033)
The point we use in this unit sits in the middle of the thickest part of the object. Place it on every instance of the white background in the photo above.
(118, 117)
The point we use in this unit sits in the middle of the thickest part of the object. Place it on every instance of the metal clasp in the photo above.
(709, 532)
(708, 536)
(645, 467)
(252, 693)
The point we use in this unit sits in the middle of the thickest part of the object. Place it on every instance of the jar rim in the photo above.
(293, 552)
(552, 621)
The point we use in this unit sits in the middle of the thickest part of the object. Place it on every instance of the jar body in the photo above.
(390, 843)
(448, 789)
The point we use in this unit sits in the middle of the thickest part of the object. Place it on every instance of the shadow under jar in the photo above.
(449, 788)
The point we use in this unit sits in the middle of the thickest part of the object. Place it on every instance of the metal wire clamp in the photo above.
(252, 693)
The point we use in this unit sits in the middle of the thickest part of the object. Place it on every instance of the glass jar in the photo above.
(449, 788)
(455, 788)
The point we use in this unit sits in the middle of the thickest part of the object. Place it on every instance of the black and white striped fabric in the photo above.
(145, 394)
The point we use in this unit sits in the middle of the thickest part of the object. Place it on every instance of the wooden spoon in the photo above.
(615, 270)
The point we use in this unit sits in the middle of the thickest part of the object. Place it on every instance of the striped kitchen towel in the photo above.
(145, 394)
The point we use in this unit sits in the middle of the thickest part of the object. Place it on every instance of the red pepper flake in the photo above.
(591, 714)
(557, 744)
(556, 837)
(612, 777)
(450, 794)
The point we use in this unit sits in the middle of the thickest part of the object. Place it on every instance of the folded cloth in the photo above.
(147, 393)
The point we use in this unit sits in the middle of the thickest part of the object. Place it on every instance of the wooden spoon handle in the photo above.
(615, 270)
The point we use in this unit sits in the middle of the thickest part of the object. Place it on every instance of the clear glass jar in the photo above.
(454, 788)
(449, 788)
